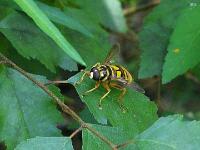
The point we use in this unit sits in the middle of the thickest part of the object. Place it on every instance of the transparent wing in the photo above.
(136, 87)
(113, 51)
(123, 83)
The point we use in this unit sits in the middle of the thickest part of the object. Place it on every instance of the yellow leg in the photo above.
(106, 86)
(122, 94)
(120, 98)
(96, 86)
(82, 78)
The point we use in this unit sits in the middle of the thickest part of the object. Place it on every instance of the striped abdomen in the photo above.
(119, 72)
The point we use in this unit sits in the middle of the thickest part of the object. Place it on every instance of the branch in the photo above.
(103, 138)
(75, 132)
(64, 107)
(124, 144)
(55, 82)
(3, 62)
(132, 10)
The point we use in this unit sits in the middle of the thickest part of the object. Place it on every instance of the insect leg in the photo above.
(120, 98)
(106, 86)
(96, 86)
(83, 76)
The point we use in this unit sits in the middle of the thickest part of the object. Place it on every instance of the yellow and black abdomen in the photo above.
(119, 72)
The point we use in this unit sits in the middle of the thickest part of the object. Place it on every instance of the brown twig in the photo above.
(3, 62)
(64, 107)
(124, 144)
(103, 138)
(55, 82)
(132, 10)
(75, 132)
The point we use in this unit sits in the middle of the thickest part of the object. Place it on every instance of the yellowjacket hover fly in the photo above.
(110, 75)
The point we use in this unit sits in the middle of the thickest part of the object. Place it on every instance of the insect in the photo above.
(111, 76)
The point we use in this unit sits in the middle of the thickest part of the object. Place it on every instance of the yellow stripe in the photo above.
(125, 75)
(115, 67)
(114, 70)
(119, 74)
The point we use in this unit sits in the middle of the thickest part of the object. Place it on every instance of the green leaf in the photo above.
(46, 143)
(31, 42)
(85, 115)
(114, 134)
(91, 48)
(169, 133)
(155, 34)
(25, 110)
(87, 20)
(107, 12)
(141, 112)
(49, 28)
(56, 15)
(183, 50)
(32, 66)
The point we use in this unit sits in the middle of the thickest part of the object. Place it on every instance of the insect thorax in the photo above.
(109, 72)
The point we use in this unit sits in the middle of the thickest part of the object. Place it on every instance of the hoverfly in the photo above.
(111, 76)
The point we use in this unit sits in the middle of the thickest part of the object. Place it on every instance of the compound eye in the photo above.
(94, 74)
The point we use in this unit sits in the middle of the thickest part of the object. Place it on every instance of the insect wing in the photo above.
(113, 51)
(123, 83)
(136, 87)
(120, 83)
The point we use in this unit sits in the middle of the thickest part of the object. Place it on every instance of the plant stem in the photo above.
(55, 82)
(132, 10)
(124, 144)
(64, 107)
(75, 132)
(103, 138)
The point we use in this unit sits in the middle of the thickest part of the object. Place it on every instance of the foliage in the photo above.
(169, 133)
(49, 37)
(46, 26)
(162, 135)
(169, 33)
(23, 109)
(34, 43)
(181, 54)
(110, 132)
(46, 143)
(158, 27)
